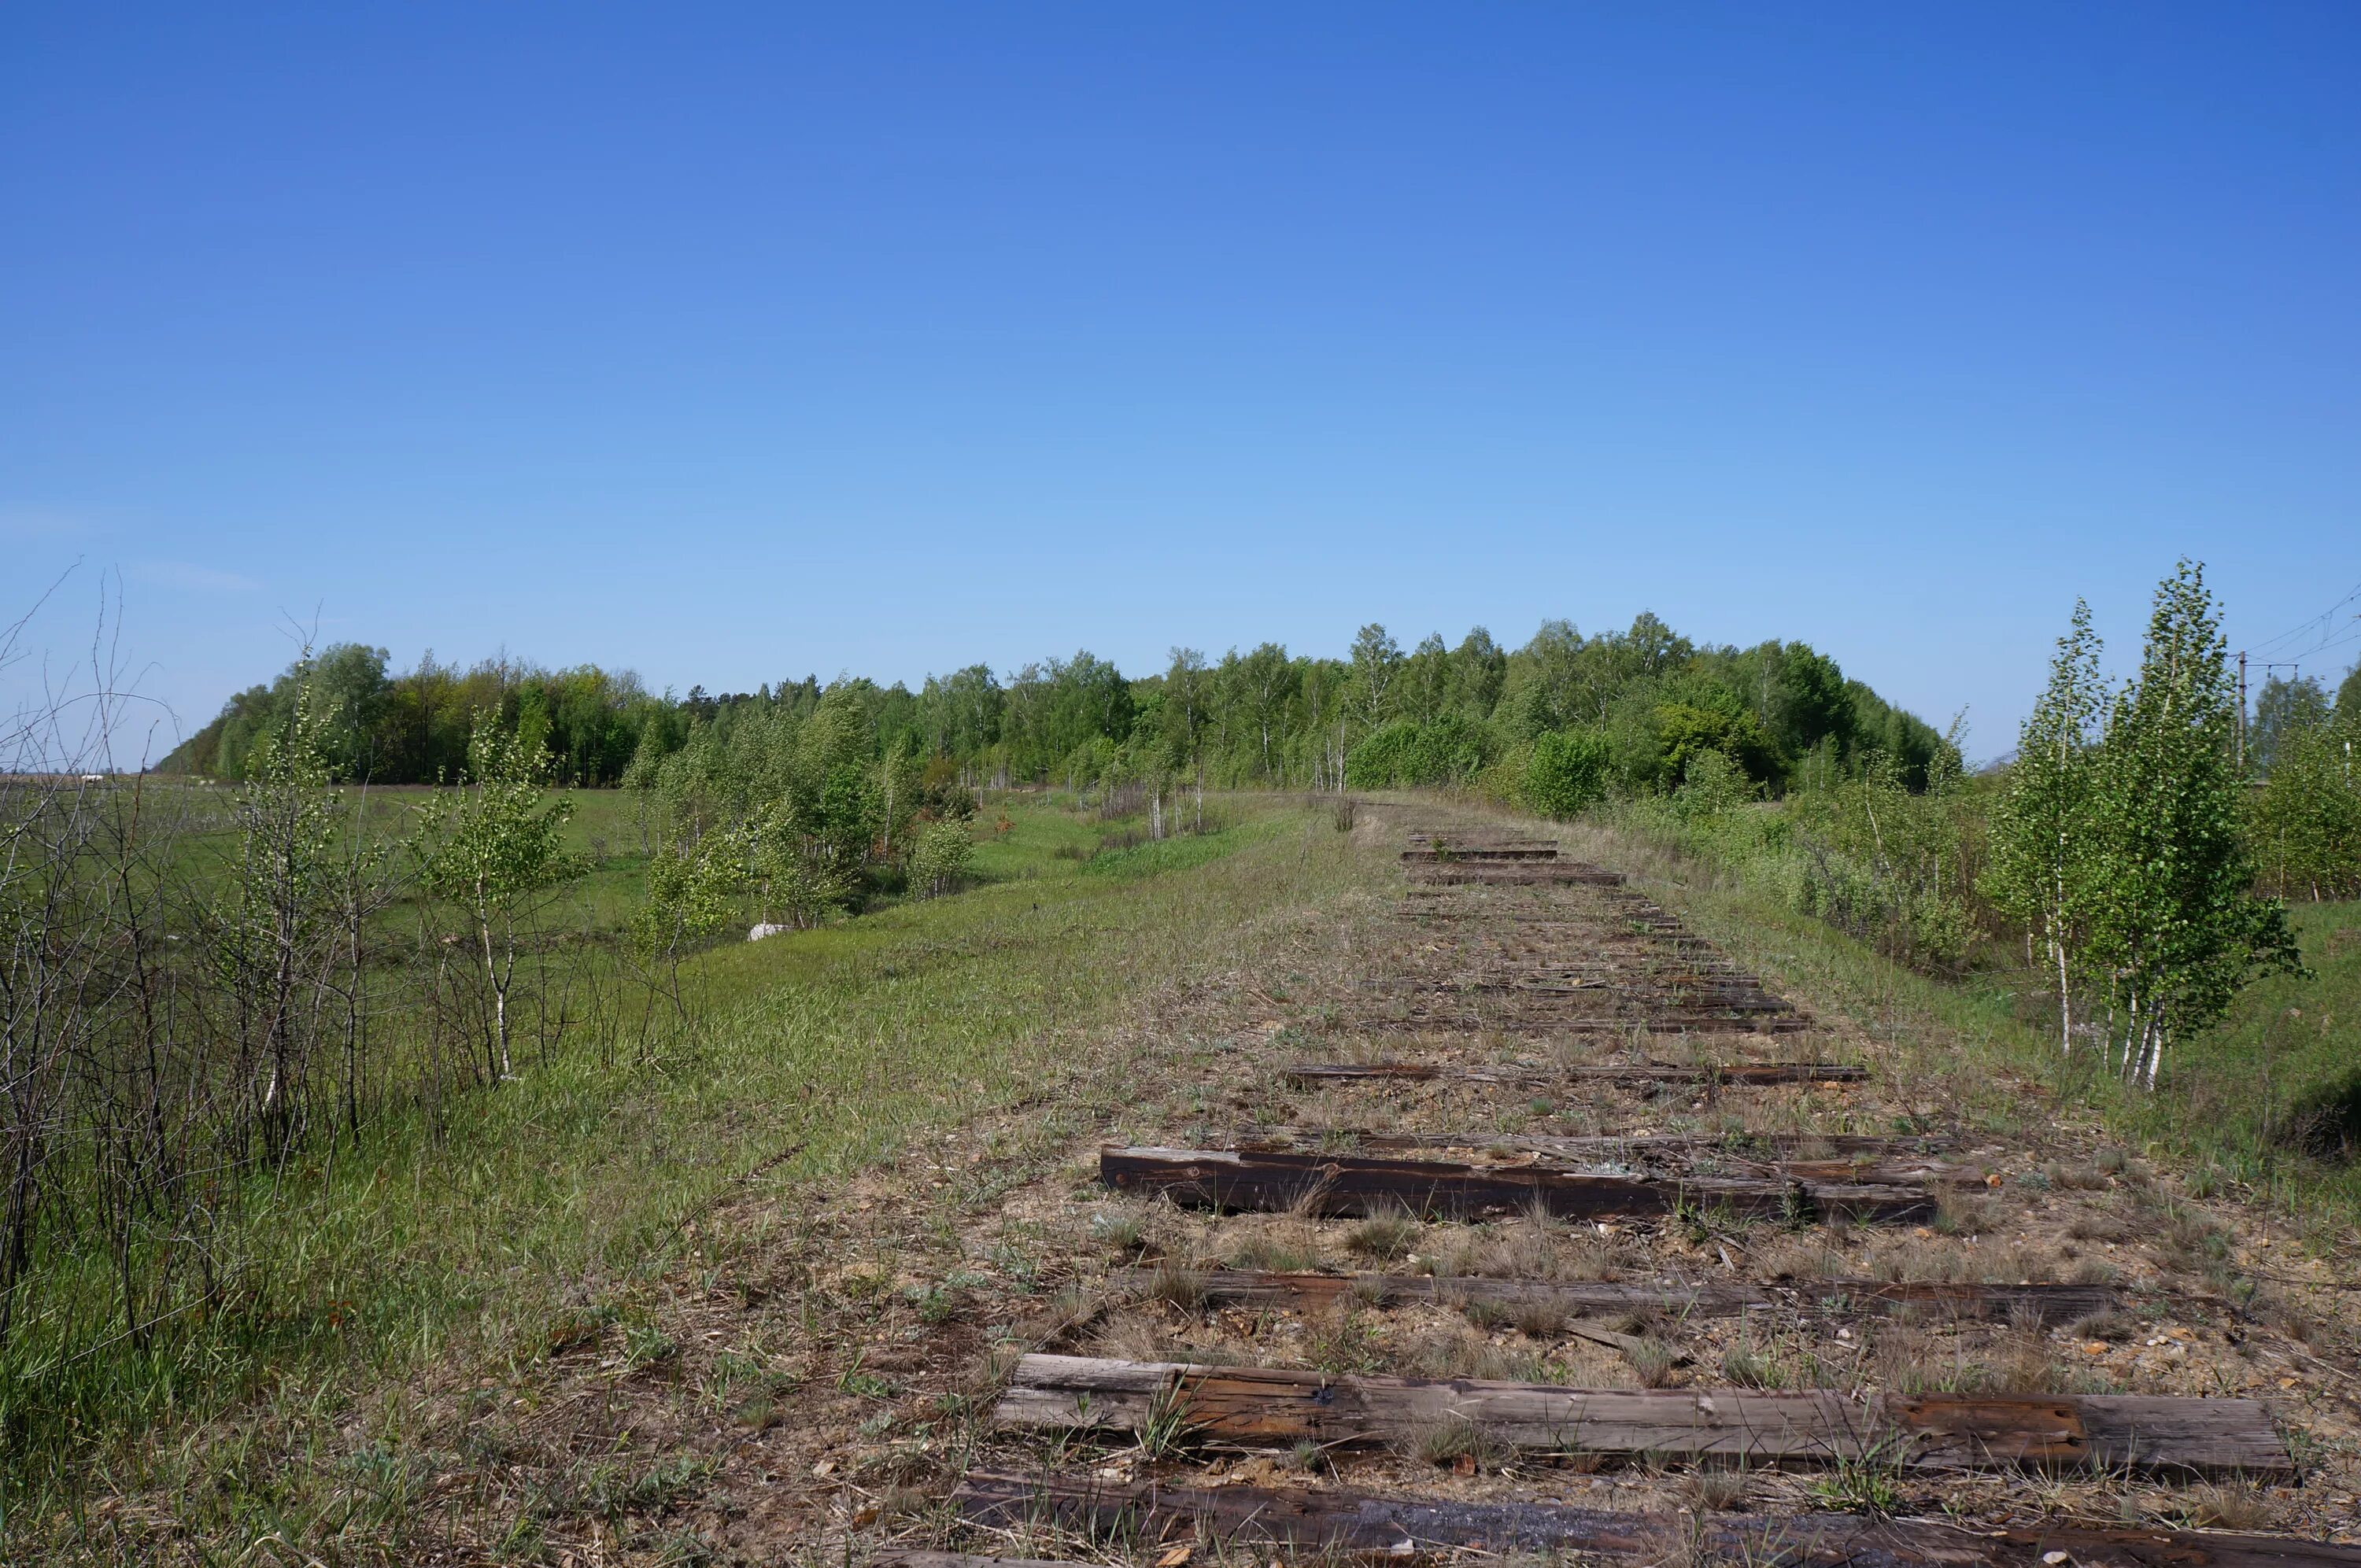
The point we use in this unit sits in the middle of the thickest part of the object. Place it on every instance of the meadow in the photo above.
(467, 1228)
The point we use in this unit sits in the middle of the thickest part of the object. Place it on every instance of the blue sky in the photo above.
(730, 344)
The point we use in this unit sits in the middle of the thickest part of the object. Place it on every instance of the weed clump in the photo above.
(1458, 1444)
(644, 1344)
(1384, 1237)
(1281, 1248)
(1753, 1368)
(2223, 1506)
(2115, 1325)
(1125, 1235)
(1540, 1319)
(1651, 1361)
(1868, 1485)
(1181, 1288)
(1719, 1491)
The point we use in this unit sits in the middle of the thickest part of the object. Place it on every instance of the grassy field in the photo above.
(471, 1234)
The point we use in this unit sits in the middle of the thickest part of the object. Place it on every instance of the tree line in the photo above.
(1563, 719)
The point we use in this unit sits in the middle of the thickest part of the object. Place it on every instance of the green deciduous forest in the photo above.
(1647, 699)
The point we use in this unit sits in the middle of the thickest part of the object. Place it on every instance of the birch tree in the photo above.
(692, 894)
(2305, 819)
(491, 848)
(1376, 664)
(2040, 868)
(2176, 926)
(1267, 681)
(944, 853)
(274, 931)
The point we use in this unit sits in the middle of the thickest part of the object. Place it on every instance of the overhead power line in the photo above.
(2335, 627)
(2329, 629)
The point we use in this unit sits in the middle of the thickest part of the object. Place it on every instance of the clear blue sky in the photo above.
(728, 344)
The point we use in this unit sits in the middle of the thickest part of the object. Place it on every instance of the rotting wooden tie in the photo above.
(1348, 1186)
(1458, 843)
(1332, 1519)
(1651, 1145)
(1427, 905)
(1869, 1161)
(1314, 1074)
(2036, 1304)
(1694, 1021)
(1273, 1407)
(1481, 854)
(1530, 873)
(1694, 993)
(1651, 968)
(931, 1559)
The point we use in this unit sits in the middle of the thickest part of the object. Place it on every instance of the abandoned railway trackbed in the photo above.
(1493, 1108)
(1593, 1264)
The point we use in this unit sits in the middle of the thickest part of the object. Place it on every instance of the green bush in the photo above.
(2304, 823)
(1713, 784)
(1400, 755)
(941, 860)
(1567, 771)
(1688, 734)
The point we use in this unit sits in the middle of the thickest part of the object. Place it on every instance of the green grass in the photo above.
(1038, 839)
(1165, 855)
(2255, 1100)
(1049, 833)
(831, 1047)
(605, 829)
(2225, 1112)
(1041, 841)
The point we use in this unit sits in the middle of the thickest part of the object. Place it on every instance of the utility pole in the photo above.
(2242, 710)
